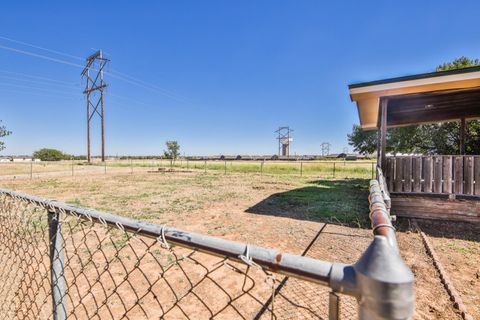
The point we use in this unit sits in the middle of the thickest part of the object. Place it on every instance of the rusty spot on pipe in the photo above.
(278, 258)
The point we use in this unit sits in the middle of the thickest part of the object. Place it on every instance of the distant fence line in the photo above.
(326, 169)
(60, 261)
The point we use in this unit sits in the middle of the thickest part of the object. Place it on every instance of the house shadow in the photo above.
(342, 202)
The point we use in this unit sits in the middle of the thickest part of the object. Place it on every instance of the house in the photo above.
(439, 186)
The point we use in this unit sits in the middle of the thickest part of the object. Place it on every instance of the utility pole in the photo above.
(94, 90)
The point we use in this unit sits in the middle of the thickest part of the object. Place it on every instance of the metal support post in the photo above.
(57, 262)
(333, 306)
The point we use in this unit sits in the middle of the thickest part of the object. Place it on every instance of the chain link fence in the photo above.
(60, 261)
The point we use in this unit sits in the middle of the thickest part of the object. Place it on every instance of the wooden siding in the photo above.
(458, 175)
(436, 206)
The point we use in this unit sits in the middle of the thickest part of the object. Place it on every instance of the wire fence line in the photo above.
(325, 169)
(59, 261)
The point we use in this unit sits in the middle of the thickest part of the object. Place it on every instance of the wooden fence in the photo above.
(434, 174)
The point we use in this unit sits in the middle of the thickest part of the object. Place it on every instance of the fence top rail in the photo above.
(309, 269)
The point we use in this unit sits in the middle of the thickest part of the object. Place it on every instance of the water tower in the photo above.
(284, 140)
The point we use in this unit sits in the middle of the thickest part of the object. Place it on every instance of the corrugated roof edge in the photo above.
(415, 77)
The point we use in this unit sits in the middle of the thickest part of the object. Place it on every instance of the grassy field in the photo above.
(337, 169)
(324, 169)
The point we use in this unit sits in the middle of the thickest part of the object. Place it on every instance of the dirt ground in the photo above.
(458, 249)
(280, 211)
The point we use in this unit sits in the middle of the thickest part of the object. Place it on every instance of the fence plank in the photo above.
(407, 174)
(390, 173)
(458, 175)
(447, 174)
(427, 174)
(437, 174)
(398, 174)
(417, 174)
(468, 175)
(476, 170)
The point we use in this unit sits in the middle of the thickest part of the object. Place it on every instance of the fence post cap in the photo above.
(385, 283)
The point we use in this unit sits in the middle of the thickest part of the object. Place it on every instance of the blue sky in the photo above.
(226, 73)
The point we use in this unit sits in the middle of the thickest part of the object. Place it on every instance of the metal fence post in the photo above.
(57, 261)
(333, 306)
(301, 168)
(334, 169)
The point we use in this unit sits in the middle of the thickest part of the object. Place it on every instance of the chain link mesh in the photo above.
(112, 273)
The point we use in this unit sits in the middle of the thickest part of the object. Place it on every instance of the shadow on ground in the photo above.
(450, 229)
(335, 201)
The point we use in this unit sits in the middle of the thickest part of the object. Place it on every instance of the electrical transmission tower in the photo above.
(325, 148)
(284, 140)
(94, 89)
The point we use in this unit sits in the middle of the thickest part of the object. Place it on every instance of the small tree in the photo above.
(3, 133)
(173, 150)
(47, 154)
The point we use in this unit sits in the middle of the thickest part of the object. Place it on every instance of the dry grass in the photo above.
(281, 211)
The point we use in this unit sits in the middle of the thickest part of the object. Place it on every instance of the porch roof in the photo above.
(422, 98)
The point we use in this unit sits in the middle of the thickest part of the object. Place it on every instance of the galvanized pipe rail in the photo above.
(288, 264)
(380, 280)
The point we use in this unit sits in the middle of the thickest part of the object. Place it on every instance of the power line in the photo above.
(71, 87)
(28, 53)
(35, 76)
(34, 88)
(41, 48)
(114, 74)
(131, 100)
(29, 87)
(146, 85)
(38, 94)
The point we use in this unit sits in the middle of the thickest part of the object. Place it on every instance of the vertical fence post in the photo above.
(333, 306)
(261, 167)
(57, 260)
(334, 169)
(373, 170)
(225, 166)
(301, 168)
(31, 170)
(205, 166)
(72, 169)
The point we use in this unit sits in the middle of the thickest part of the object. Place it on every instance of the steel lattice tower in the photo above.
(93, 74)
